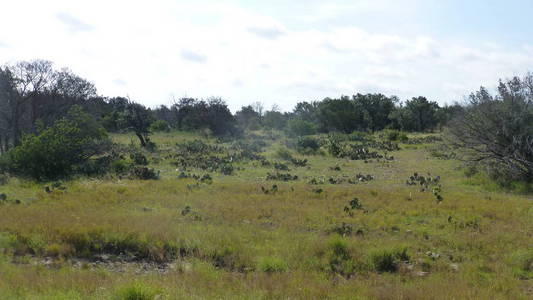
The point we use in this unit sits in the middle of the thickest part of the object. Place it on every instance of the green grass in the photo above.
(236, 242)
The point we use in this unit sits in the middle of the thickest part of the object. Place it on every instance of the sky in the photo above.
(275, 52)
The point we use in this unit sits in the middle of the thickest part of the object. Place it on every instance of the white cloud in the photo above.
(72, 23)
(151, 51)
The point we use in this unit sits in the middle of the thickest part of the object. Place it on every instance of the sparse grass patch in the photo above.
(137, 291)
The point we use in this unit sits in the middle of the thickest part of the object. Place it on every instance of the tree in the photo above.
(307, 111)
(422, 113)
(374, 110)
(274, 119)
(59, 149)
(339, 115)
(7, 110)
(33, 90)
(212, 114)
(497, 131)
(137, 118)
(300, 127)
(248, 118)
(219, 118)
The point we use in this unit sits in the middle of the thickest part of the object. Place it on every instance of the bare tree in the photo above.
(31, 90)
(26, 81)
(259, 108)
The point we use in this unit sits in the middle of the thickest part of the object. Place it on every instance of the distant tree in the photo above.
(446, 113)
(274, 119)
(165, 113)
(137, 118)
(160, 125)
(219, 118)
(300, 127)
(259, 108)
(373, 110)
(339, 115)
(8, 106)
(212, 114)
(248, 118)
(33, 90)
(422, 113)
(27, 81)
(497, 130)
(307, 111)
(402, 119)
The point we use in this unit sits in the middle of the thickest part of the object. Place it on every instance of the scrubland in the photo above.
(270, 226)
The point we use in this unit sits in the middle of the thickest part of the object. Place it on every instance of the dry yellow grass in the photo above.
(476, 244)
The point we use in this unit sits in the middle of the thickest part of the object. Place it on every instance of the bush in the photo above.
(60, 149)
(495, 131)
(340, 260)
(139, 158)
(284, 153)
(137, 291)
(388, 260)
(120, 166)
(307, 145)
(160, 125)
(272, 265)
(143, 173)
(395, 135)
(299, 127)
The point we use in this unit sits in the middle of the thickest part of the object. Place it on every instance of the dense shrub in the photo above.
(307, 145)
(160, 125)
(389, 260)
(300, 127)
(395, 136)
(496, 131)
(60, 149)
(143, 173)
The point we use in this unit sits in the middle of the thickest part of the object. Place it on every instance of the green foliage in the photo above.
(139, 158)
(137, 118)
(58, 150)
(340, 259)
(389, 260)
(120, 166)
(272, 265)
(214, 114)
(137, 291)
(496, 131)
(307, 145)
(284, 153)
(160, 125)
(394, 136)
(300, 127)
(418, 114)
(144, 173)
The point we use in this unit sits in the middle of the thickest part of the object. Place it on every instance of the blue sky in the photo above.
(276, 52)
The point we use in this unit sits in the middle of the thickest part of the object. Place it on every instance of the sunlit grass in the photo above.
(240, 243)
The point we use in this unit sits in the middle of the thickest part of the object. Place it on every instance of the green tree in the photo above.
(422, 113)
(300, 127)
(137, 118)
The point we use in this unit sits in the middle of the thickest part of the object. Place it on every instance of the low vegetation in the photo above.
(344, 198)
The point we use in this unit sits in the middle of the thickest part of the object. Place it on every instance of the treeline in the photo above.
(33, 95)
(361, 112)
(42, 108)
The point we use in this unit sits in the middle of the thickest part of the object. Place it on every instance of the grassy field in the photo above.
(226, 238)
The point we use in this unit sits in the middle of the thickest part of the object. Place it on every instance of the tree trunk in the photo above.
(141, 139)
